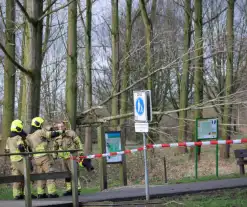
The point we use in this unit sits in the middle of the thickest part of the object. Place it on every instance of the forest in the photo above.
(81, 60)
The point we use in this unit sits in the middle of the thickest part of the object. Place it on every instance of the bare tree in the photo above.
(88, 73)
(9, 72)
(115, 58)
(185, 74)
(127, 55)
(225, 150)
(71, 76)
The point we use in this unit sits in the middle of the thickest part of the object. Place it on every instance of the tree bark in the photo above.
(225, 150)
(9, 72)
(115, 58)
(71, 75)
(22, 106)
(33, 58)
(185, 76)
(148, 35)
(126, 71)
(198, 80)
(88, 73)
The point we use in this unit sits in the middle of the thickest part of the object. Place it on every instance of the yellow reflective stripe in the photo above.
(17, 192)
(40, 190)
(16, 158)
(40, 148)
(68, 186)
(64, 155)
(79, 185)
(48, 134)
(79, 144)
(51, 188)
(19, 142)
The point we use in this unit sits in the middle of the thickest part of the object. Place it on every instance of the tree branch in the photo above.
(1, 15)
(192, 107)
(55, 10)
(21, 68)
(31, 20)
(135, 83)
(49, 6)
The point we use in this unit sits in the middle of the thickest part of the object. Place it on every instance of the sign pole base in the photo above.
(146, 168)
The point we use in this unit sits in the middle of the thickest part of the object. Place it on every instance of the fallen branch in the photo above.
(122, 116)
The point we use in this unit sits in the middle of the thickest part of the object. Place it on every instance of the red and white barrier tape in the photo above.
(152, 146)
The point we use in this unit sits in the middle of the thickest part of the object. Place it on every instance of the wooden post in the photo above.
(241, 165)
(165, 171)
(102, 161)
(122, 168)
(27, 183)
(74, 179)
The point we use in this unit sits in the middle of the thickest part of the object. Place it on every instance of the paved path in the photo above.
(137, 193)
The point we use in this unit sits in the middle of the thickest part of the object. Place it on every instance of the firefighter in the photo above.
(68, 141)
(38, 141)
(16, 144)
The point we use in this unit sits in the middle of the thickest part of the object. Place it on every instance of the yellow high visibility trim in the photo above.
(40, 148)
(16, 158)
(51, 188)
(68, 186)
(40, 190)
(17, 192)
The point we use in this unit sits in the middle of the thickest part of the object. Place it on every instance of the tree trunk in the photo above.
(115, 59)
(22, 76)
(47, 31)
(126, 71)
(88, 74)
(9, 72)
(185, 76)
(71, 75)
(22, 107)
(225, 150)
(33, 59)
(198, 81)
(148, 35)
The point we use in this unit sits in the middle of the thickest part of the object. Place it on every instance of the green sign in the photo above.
(113, 144)
(207, 129)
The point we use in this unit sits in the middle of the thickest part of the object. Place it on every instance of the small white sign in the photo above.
(141, 127)
(140, 106)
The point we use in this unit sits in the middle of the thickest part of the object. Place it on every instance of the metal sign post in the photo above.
(143, 115)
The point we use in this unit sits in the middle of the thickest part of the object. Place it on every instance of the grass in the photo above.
(223, 198)
(226, 198)
(6, 192)
(204, 178)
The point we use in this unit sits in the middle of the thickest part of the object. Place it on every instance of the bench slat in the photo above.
(242, 162)
(240, 153)
(34, 177)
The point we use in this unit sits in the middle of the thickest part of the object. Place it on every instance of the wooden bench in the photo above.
(241, 154)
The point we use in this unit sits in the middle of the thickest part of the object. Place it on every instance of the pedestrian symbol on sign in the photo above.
(139, 106)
